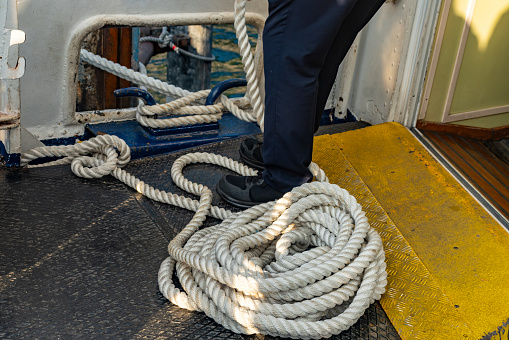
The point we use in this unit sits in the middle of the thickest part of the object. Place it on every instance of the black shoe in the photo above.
(246, 191)
(251, 153)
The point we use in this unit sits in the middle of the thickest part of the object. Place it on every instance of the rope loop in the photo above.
(109, 152)
(164, 38)
(189, 103)
(101, 164)
(305, 266)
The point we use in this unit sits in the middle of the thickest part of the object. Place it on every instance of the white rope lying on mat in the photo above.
(306, 266)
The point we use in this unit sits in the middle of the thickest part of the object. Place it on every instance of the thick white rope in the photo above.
(131, 75)
(186, 106)
(253, 88)
(306, 266)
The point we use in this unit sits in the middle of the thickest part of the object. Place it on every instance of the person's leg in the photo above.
(359, 16)
(297, 38)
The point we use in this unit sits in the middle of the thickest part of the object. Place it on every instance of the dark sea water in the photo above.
(228, 63)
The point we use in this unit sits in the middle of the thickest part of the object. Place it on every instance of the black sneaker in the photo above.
(251, 153)
(246, 191)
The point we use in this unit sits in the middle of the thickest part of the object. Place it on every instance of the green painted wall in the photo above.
(484, 75)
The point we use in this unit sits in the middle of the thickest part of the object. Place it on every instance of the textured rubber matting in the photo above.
(79, 258)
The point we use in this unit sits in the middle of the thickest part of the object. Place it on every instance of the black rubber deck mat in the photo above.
(79, 258)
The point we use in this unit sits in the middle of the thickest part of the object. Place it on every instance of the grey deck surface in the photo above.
(79, 258)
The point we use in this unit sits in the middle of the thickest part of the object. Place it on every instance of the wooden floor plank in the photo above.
(473, 173)
(481, 164)
(492, 163)
(495, 161)
(478, 164)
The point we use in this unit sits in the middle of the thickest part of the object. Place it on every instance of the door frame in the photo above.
(447, 117)
(408, 99)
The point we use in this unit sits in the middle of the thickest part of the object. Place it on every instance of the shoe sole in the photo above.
(249, 162)
(234, 202)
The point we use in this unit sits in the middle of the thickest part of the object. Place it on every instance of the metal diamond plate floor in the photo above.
(79, 258)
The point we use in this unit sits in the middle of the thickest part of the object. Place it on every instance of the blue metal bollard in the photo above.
(146, 141)
(136, 92)
(223, 86)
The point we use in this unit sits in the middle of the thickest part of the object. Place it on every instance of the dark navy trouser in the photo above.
(304, 42)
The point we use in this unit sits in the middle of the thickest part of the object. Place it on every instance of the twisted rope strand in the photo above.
(185, 105)
(305, 266)
(253, 89)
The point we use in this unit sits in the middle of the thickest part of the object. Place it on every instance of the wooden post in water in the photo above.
(201, 41)
(189, 73)
(95, 87)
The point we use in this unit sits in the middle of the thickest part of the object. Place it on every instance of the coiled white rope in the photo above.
(306, 266)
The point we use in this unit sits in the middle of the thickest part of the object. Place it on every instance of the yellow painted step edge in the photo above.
(464, 249)
(414, 303)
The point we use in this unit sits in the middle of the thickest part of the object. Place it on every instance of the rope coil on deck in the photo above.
(306, 266)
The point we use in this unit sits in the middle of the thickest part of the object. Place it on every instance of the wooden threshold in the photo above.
(478, 164)
(465, 131)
